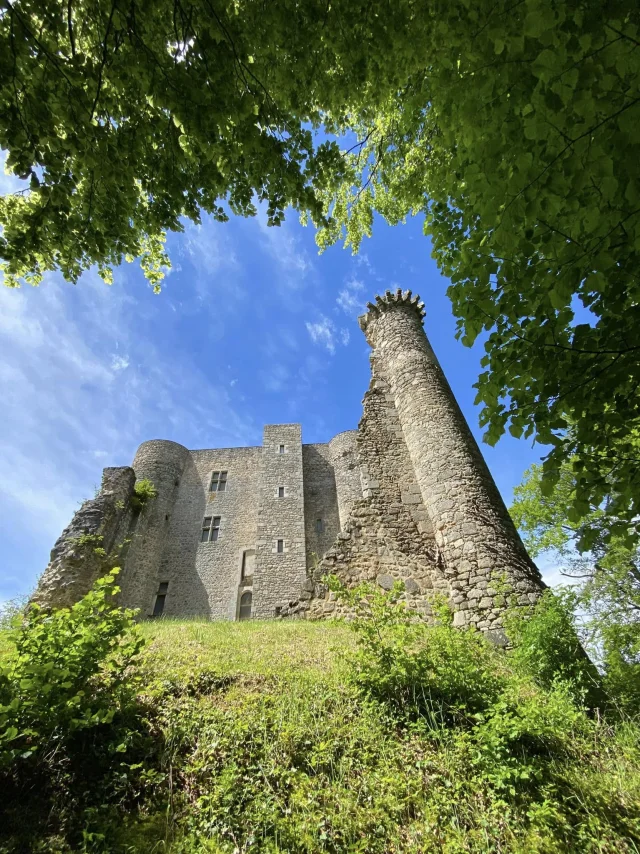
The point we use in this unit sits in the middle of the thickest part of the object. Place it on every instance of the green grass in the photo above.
(255, 737)
(256, 648)
(278, 751)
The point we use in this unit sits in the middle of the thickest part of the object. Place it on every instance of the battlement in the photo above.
(391, 299)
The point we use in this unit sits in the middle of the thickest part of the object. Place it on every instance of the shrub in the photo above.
(621, 663)
(450, 679)
(438, 672)
(144, 492)
(546, 646)
(68, 712)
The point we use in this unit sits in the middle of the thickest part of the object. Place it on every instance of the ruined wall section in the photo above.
(343, 453)
(386, 469)
(279, 576)
(387, 536)
(163, 463)
(102, 522)
(204, 578)
(474, 533)
(367, 551)
(321, 516)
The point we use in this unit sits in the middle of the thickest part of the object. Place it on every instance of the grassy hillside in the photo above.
(268, 737)
(256, 649)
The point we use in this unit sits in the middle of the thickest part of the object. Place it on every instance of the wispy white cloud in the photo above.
(325, 333)
(293, 262)
(208, 253)
(275, 377)
(83, 383)
(119, 363)
(208, 246)
(351, 298)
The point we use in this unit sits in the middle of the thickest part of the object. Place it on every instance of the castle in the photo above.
(234, 533)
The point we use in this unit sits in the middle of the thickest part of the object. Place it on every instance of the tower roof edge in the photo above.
(389, 300)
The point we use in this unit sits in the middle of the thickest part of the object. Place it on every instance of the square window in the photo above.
(319, 526)
(281, 449)
(210, 529)
(218, 481)
(281, 492)
(280, 547)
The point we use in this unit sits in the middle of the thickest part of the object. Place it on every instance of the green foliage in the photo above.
(144, 492)
(439, 673)
(605, 593)
(128, 119)
(514, 134)
(11, 611)
(86, 539)
(262, 737)
(511, 128)
(439, 745)
(547, 647)
(541, 515)
(68, 713)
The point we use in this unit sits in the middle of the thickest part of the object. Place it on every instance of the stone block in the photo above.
(411, 585)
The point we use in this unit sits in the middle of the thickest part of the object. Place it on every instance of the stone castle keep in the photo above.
(250, 532)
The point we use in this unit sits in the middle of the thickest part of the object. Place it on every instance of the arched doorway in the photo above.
(245, 606)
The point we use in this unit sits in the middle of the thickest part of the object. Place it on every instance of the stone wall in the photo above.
(385, 465)
(278, 576)
(163, 463)
(102, 522)
(406, 497)
(320, 502)
(204, 577)
(343, 450)
(387, 535)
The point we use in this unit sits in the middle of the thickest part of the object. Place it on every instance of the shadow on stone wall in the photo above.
(320, 503)
(187, 596)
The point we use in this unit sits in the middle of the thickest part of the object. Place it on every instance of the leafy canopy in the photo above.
(511, 127)
(128, 117)
(517, 139)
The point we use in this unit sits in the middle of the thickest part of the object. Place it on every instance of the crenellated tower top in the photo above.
(391, 299)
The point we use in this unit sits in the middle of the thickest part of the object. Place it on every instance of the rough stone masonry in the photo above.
(250, 532)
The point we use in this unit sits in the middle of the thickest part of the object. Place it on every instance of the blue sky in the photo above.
(252, 327)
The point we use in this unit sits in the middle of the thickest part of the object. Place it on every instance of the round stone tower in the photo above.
(162, 462)
(477, 540)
